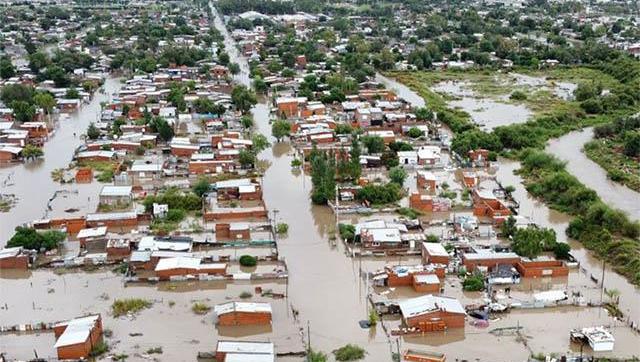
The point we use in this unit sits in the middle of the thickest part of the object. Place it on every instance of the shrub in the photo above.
(248, 260)
(373, 318)
(561, 250)
(282, 228)
(473, 283)
(175, 215)
(380, 194)
(201, 187)
(518, 96)
(398, 175)
(154, 350)
(350, 352)
(414, 132)
(121, 307)
(245, 295)
(347, 231)
(317, 356)
(409, 212)
(99, 349)
(200, 308)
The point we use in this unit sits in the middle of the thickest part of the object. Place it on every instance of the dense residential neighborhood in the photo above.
(294, 180)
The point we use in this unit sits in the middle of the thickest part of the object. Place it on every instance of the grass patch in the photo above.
(122, 307)
(409, 212)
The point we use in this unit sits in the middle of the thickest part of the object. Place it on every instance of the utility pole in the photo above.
(602, 282)
(398, 348)
(308, 340)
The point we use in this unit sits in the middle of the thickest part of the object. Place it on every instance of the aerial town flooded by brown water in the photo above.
(270, 180)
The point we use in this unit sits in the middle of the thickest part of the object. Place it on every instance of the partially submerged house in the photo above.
(243, 313)
(76, 338)
(431, 313)
(245, 351)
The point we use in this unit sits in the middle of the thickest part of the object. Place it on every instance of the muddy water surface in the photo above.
(569, 149)
(31, 182)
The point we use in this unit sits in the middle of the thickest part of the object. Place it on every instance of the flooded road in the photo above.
(401, 90)
(31, 182)
(569, 149)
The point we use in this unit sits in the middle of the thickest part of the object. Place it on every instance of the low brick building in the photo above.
(434, 253)
(542, 267)
(76, 338)
(245, 351)
(232, 231)
(488, 259)
(14, 258)
(183, 266)
(431, 313)
(243, 314)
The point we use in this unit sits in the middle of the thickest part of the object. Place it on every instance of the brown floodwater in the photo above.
(327, 287)
(569, 149)
(545, 217)
(31, 182)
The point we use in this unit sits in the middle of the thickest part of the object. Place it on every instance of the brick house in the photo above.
(14, 258)
(76, 338)
(243, 314)
(431, 313)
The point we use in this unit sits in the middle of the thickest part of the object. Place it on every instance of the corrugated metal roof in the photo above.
(231, 307)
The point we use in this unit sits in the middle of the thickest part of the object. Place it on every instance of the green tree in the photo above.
(30, 152)
(398, 175)
(246, 121)
(92, 131)
(415, 132)
(260, 143)
(243, 98)
(234, 68)
(246, 158)
(374, 144)
(204, 105)
(632, 143)
(7, 69)
(38, 60)
(72, 93)
(23, 111)
(508, 227)
(163, 128)
(280, 129)
(29, 238)
(58, 75)
(323, 177)
(16, 92)
(201, 186)
(176, 98)
(45, 101)
(531, 242)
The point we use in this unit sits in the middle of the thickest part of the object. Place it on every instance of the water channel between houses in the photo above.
(325, 285)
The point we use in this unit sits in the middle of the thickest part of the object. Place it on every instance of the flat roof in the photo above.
(77, 331)
(243, 347)
(435, 249)
(427, 303)
(246, 307)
